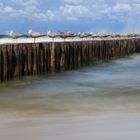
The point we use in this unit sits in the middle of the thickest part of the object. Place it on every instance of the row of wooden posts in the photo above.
(18, 60)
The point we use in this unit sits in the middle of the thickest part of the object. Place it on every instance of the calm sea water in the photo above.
(100, 102)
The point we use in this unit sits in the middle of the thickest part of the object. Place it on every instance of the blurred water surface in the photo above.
(56, 106)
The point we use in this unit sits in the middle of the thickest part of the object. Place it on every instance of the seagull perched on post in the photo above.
(14, 34)
(34, 34)
(84, 35)
(52, 35)
(67, 34)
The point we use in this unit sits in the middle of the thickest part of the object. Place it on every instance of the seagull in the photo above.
(67, 34)
(52, 35)
(83, 35)
(34, 34)
(14, 34)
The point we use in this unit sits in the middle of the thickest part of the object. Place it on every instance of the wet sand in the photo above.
(103, 127)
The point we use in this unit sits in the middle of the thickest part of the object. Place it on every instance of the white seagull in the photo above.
(14, 34)
(34, 34)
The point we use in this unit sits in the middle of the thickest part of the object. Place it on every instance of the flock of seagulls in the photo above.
(65, 35)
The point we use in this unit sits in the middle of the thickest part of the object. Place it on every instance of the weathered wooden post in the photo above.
(53, 57)
(17, 60)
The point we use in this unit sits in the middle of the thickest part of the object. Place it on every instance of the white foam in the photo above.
(44, 39)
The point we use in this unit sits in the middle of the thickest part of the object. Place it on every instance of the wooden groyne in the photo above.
(17, 60)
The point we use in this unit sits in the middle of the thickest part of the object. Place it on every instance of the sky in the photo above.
(102, 16)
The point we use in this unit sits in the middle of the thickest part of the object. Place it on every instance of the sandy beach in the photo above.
(98, 127)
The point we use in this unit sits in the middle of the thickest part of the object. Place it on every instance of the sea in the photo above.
(95, 102)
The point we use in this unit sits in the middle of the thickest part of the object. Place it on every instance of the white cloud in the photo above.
(8, 9)
(48, 15)
(27, 9)
(74, 1)
(121, 11)
(122, 7)
(71, 18)
(24, 2)
(72, 10)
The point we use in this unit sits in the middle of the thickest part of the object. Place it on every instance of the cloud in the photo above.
(74, 11)
(76, 2)
(119, 10)
(27, 9)
(48, 15)
(8, 9)
(122, 7)
(24, 2)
